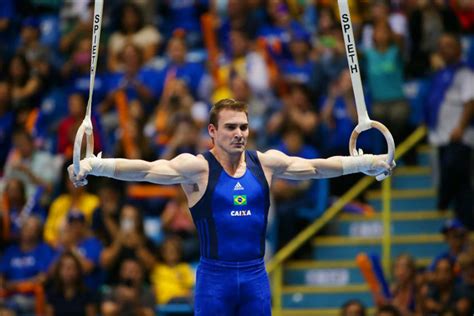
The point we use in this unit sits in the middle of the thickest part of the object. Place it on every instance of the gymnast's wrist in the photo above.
(103, 167)
(354, 164)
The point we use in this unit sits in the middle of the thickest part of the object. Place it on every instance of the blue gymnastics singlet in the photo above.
(231, 217)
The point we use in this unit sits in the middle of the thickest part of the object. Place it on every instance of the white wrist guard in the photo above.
(353, 164)
(104, 167)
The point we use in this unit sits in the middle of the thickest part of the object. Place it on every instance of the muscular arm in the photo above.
(182, 169)
(296, 168)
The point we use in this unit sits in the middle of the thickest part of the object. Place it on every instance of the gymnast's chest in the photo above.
(238, 197)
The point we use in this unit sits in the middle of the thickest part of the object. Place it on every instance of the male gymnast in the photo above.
(228, 193)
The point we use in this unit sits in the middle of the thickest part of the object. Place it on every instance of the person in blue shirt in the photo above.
(76, 72)
(177, 66)
(77, 239)
(7, 120)
(238, 15)
(278, 31)
(228, 193)
(20, 208)
(183, 15)
(339, 117)
(7, 30)
(291, 196)
(456, 237)
(299, 67)
(135, 79)
(27, 261)
(448, 111)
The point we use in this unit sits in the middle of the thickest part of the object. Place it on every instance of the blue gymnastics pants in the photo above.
(232, 288)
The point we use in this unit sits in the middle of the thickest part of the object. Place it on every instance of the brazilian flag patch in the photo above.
(240, 199)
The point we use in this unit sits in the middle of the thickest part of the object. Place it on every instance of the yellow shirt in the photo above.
(170, 282)
(58, 211)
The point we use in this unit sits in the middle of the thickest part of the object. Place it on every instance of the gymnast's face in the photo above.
(231, 132)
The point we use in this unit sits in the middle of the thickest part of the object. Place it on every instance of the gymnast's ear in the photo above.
(211, 129)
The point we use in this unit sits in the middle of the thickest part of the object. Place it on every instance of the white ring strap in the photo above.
(364, 122)
(86, 126)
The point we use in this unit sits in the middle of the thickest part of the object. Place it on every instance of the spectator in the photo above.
(68, 295)
(465, 13)
(75, 72)
(327, 34)
(380, 13)
(106, 217)
(178, 103)
(26, 87)
(184, 138)
(339, 114)
(130, 242)
(16, 209)
(297, 110)
(25, 262)
(7, 121)
(329, 52)
(259, 108)
(449, 108)
(388, 310)
(177, 66)
(7, 30)
(465, 305)
(137, 81)
(172, 278)
(245, 63)
(441, 294)
(339, 117)
(427, 23)
(74, 199)
(77, 25)
(353, 308)
(293, 196)
(405, 288)
(176, 220)
(184, 17)
(139, 146)
(132, 30)
(37, 54)
(385, 82)
(77, 239)
(456, 236)
(277, 32)
(130, 296)
(299, 67)
(69, 125)
(36, 168)
(238, 16)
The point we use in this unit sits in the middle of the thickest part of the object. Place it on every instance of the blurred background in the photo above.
(403, 247)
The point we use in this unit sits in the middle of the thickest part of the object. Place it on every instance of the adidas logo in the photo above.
(238, 187)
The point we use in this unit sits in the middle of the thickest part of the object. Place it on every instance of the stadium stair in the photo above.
(321, 285)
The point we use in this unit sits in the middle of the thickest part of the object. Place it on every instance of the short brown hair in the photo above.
(229, 104)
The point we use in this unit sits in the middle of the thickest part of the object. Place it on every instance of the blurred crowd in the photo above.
(161, 65)
(444, 288)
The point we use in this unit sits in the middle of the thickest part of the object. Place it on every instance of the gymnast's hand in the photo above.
(378, 165)
(85, 169)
